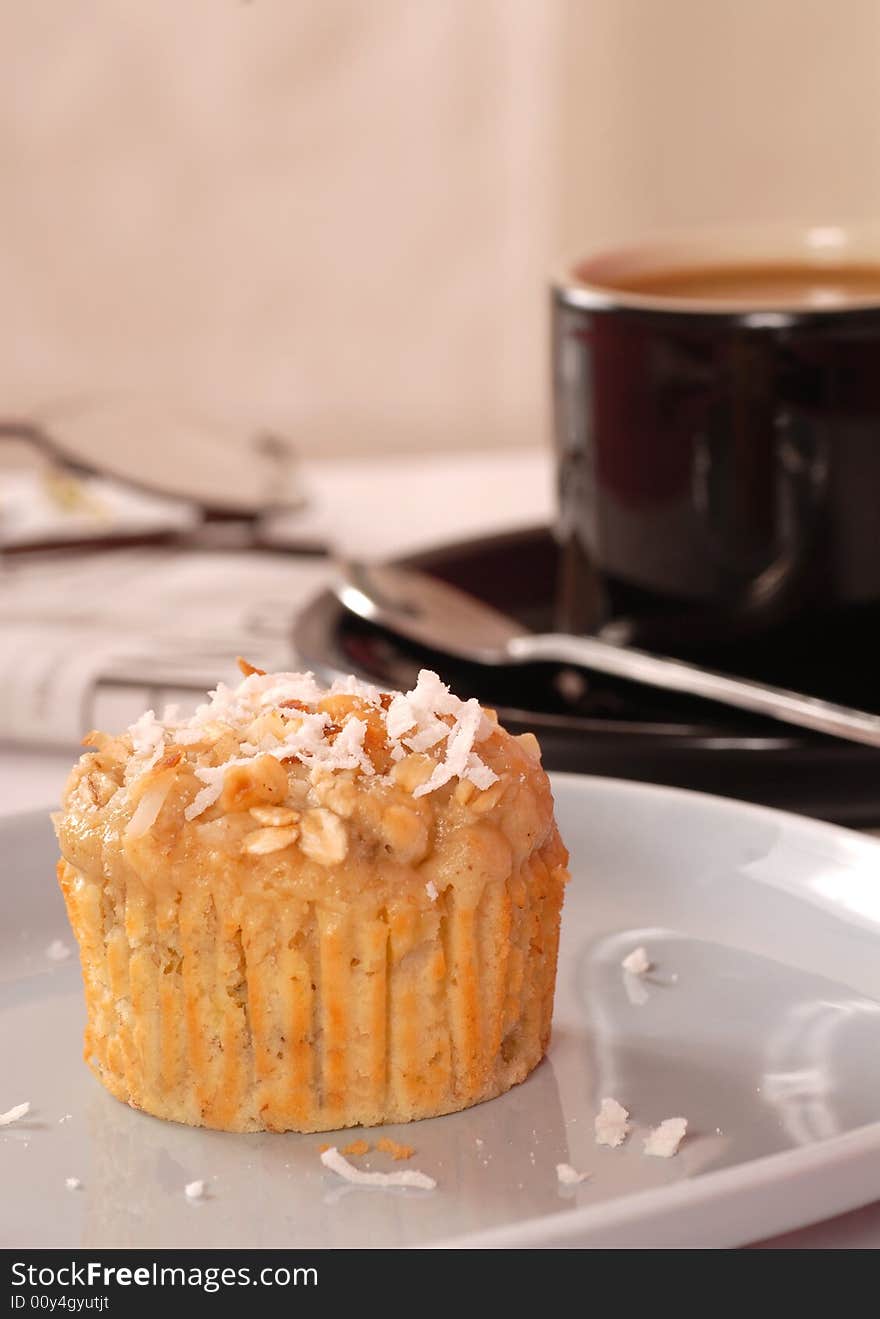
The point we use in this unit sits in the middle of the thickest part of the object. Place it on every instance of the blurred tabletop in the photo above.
(382, 506)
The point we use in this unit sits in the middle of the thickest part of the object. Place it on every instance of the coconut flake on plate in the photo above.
(336, 1162)
(58, 951)
(568, 1176)
(663, 1141)
(611, 1123)
(637, 963)
(13, 1114)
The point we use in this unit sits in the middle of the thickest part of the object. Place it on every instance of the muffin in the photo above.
(308, 908)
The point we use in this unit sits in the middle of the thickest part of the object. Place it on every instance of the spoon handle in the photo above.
(677, 676)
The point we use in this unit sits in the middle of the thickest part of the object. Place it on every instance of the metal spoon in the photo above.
(425, 610)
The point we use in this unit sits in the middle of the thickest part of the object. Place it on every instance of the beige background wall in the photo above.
(338, 215)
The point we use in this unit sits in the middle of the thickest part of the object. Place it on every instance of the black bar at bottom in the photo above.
(269, 1282)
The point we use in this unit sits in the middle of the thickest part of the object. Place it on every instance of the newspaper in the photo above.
(92, 640)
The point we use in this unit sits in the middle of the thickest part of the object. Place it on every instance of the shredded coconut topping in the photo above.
(663, 1141)
(348, 748)
(479, 774)
(459, 744)
(275, 714)
(569, 1176)
(611, 1123)
(148, 739)
(147, 810)
(431, 890)
(336, 1162)
(213, 780)
(13, 1114)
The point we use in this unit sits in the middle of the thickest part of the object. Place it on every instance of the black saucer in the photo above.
(617, 728)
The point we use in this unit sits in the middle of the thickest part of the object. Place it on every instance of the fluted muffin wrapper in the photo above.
(256, 1012)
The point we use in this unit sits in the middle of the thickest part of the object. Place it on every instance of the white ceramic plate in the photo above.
(761, 1025)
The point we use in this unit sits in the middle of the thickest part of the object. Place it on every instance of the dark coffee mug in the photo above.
(717, 422)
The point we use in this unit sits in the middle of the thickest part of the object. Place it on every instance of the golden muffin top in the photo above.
(281, 762)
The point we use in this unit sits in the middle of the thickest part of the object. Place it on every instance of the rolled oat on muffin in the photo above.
(308, 908)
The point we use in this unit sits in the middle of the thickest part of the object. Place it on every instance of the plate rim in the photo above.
(737, 805)
(640, 1215)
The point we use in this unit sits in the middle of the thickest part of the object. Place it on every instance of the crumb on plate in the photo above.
(394, 1148)
(611, 1123)
(637, 962)
(663, 1141)
(356, 1147)
(569, 1176)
